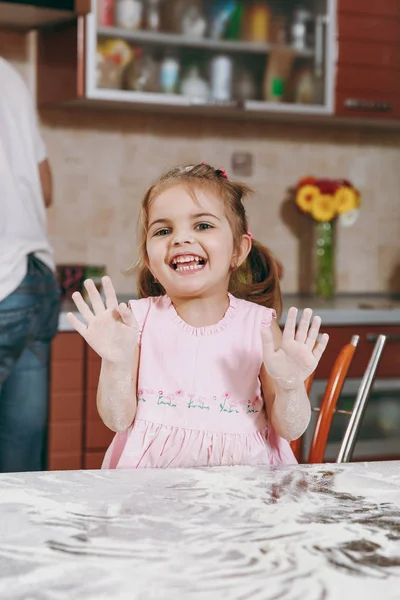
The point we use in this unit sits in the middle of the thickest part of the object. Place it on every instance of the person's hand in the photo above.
(111, 330)
(299, 353)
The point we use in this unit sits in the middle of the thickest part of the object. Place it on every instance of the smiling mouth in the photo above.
(188, 262)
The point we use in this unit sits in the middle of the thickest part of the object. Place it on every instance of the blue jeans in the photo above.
(28, 322)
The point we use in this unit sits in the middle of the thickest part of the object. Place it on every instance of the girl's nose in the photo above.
(184, 238)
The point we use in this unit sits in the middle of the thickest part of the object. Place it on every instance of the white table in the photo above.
(319, 532)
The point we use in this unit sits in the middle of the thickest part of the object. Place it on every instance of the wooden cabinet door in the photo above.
(368, 67)
(97, 437)
(65, 429)
(339, 336)
(61, 63)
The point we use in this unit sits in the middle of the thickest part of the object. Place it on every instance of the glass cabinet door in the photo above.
(253, 55)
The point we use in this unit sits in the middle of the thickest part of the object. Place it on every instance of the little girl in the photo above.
(197, 373)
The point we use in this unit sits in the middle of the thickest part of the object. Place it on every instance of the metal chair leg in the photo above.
(360, 404)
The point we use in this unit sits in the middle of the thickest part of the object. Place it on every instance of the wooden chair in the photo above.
(360, 404)
(331, 397)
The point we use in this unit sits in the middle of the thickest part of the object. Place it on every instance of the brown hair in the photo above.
(257, 279)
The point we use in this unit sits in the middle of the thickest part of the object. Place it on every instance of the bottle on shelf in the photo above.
(257, 23)
(169, 74)
(221, 78)
(152, 15)
(105, 13)
(193, 86)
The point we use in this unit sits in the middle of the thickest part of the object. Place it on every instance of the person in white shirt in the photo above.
(29, 294)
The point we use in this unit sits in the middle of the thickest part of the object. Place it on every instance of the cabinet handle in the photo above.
(372, 337)
(359, 104)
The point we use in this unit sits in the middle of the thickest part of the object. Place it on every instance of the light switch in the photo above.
(242, 164)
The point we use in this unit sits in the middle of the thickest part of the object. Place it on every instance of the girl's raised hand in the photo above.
(299, 352)
(111, 329)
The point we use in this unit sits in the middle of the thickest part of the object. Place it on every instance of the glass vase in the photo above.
(324, 271)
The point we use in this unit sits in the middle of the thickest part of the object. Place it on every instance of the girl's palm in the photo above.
(299, 352)
(111, 329)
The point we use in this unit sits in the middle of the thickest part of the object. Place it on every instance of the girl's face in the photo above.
(190, 245)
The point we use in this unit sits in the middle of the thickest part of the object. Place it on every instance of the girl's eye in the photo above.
(202, 226)
(162, 232)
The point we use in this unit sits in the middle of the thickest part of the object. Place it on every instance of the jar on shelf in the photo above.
(128, 13)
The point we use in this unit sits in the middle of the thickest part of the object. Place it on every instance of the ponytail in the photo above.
(257, 280)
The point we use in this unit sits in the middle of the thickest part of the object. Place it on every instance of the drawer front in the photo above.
(387, 8)
(65, 437)
(97, 435)
(339, 336)
(93, 459)
(368, 55)
(368, 28)
(66, 406)
(360, 79)
(65, 462)
(67, 346)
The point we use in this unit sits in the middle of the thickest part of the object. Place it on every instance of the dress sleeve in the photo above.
(267, 315)
(140, 309)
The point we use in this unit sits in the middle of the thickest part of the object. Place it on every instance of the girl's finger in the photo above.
(267, 342)
(290, 325)
(303, 326)
(320, 347)
(313, 332)
(109, 292)
(94, 296)
(82, 307)
(127, 315)
(77, 324)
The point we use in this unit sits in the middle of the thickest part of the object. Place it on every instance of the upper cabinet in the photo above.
(368, 69)
(216, 56)
(320, 59)
(33, 14)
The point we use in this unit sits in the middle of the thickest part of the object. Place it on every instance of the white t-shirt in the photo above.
(22, 210)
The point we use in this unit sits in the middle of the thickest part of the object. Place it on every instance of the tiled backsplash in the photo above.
(103, 161)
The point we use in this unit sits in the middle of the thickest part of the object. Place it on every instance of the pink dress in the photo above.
(199, 394)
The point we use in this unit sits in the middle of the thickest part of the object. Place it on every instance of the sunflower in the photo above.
(305, 197)
(323, 208)
(346, 198)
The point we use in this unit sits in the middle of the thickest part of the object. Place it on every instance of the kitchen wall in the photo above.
(103, 161)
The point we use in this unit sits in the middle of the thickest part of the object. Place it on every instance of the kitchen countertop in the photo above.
(306, 531)
(342, 310)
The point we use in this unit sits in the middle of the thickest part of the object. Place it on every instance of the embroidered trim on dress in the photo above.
(224, 402)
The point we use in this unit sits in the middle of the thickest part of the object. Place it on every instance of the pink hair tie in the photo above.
(221, 173)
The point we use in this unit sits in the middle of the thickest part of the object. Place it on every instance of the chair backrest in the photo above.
(360, 403)
(329, 401)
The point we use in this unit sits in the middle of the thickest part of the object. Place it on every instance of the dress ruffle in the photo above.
(151, 445)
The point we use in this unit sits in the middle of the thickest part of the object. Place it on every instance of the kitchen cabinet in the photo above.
(96, 436)
(72, 68)
(67, 376)
(30, 14)
(368, 67)
(77, 438)
(354, 62)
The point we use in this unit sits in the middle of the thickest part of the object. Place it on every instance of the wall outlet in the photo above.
(242, 164)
